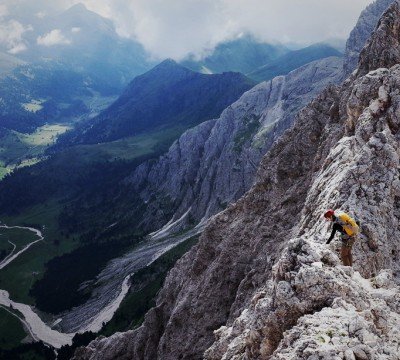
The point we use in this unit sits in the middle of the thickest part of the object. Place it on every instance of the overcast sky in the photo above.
(175, 28)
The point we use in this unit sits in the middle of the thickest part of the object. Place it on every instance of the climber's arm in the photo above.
(336, 227)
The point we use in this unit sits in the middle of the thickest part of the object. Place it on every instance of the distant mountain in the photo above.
(240, 55)
(85, 40)
(293, 60)
(215, 163)
(75, 64)
(169, 95)
(337, 43)
(35, 94)
(88, 42)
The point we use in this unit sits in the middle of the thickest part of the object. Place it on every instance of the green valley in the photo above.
(23, 149)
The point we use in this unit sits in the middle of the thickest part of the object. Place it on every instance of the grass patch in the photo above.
(44, 136)
(12, 149)
(128, 148)
(34, 106)
(19, 150)
(145, 285)
(3, 171)
(11, 330)
(19, 237)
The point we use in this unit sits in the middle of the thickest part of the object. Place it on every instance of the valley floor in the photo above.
(99, 310)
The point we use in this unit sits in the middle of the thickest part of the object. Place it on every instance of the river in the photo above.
(111, 287)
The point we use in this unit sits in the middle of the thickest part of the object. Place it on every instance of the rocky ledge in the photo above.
(261, 283)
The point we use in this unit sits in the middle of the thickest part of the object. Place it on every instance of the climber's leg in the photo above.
(350, 258)
(349, 244)
(344, 254)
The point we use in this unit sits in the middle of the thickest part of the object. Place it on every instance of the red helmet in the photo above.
(329, 214)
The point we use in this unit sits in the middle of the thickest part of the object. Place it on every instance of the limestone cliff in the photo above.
(261, 283)
(215, 163)
(362, 32)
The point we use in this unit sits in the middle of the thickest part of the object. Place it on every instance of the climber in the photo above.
(348, 227)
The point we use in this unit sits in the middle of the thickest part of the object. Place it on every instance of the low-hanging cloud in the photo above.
(11, 36)
(54, 37)
(175, 28)
(3, 10)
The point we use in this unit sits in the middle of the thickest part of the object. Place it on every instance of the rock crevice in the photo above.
(261, 283)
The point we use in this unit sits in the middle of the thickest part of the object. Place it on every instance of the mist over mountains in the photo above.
(85, 41)
(74, 63)
(129, 185)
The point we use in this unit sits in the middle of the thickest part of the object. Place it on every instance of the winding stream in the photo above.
(35, 325)
(11, 257)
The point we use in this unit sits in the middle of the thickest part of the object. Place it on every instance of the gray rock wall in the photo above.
(362, 32)
(215, 163)
(261, 283)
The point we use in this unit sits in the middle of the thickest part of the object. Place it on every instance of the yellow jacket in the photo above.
(348, 223)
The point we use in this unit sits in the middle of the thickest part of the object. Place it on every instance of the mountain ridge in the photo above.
(243, 54)
(161, 97)
(260, 276)
(216, 172)
(293, 60)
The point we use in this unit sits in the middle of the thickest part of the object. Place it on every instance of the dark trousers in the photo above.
(345, 251)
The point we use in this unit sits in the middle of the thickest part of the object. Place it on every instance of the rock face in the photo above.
(362, 32)
(384, 49)
(215, 163)
(261, 283)
(312, 309)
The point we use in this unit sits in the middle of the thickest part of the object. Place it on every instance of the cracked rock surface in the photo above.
(362, 33)
(215, 163)
(261, 283)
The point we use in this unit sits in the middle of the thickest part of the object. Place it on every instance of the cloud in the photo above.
(75, 30)
(175, 28)
(54, 37)
(41, 14)
(3, 10)
(11, 36)
(18, 48)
